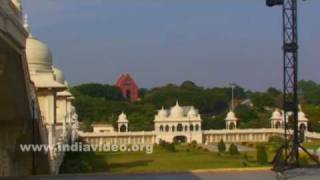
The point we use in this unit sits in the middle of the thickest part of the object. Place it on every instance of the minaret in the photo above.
(231, 120)
(276, 119)
(26, 24)
(302, 120)
(123, 123)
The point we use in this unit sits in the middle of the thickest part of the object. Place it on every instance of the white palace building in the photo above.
(35, 102)
(183, 124)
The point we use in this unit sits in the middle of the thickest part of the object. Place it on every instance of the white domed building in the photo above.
(54, 98)
(231, 120)
(277, 119)
(123, 123)
(302, 120)
(179, 124)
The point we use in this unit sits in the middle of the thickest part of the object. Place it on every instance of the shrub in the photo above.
(193, 144)
(233, 149)
(245, 156)
(221, 146)
(244, 143)
(276, 139)
(245, 164)
(167, 146)
(262, 155)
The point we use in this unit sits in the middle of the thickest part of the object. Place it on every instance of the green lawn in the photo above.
(161, 160)
(312, 145)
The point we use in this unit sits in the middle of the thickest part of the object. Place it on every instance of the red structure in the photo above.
(128, 87)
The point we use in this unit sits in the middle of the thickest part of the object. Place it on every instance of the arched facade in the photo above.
(185, 121)
(182, 124)
(231, 121)
(123, 123)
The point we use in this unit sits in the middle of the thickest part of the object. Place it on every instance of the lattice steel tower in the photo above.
(288, 155)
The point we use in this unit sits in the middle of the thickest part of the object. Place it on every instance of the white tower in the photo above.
(276, 119)
(302, 120)
(123, 123)
(231, 120)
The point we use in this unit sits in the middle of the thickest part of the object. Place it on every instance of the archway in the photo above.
(167, 128)
(185, 128)
(302, 127)
(278, 125)
(191, 127)
(161, 128)
(123, 128)
(179, 128)
(180, 139)
(232, 126)
(128, 94)
(197, 127)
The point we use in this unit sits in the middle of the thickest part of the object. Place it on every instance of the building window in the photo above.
(173, 128)
(186, 128)
(179, 127)
(197, 127)
(167, 128)
(191, 127)
(161, 128)
(123, 128)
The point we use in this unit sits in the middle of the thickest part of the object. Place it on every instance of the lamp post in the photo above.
(232, 95)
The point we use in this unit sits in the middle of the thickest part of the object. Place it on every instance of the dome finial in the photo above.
(26, 24)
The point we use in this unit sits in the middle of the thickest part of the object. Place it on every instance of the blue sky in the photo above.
(211, 42)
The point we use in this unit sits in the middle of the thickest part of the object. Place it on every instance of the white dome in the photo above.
(176, 111)
(192, 113)
(162, 113)
(302, 116)
(231, 116)
(122, 118)
(58, 75)
(276, 114)
(38, 55)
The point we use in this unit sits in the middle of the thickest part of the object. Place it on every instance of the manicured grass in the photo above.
(185, 158)
(312, 144)
(169, 161)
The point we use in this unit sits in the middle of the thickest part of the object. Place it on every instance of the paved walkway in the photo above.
(222, 174)
(262, 175)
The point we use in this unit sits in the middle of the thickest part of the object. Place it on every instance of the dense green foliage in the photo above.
(98, 102)
(233, 149)
(221, 146)
(167, 146)
(83, 162)
(262, 155)
(310, 92)
(106, 92)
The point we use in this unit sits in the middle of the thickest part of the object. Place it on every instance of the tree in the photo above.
(310, 92)
(98, 91)
(262, 155)
(189, 85)
(233, 149)
(221, 146)
(262, 99)
(274, 92)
